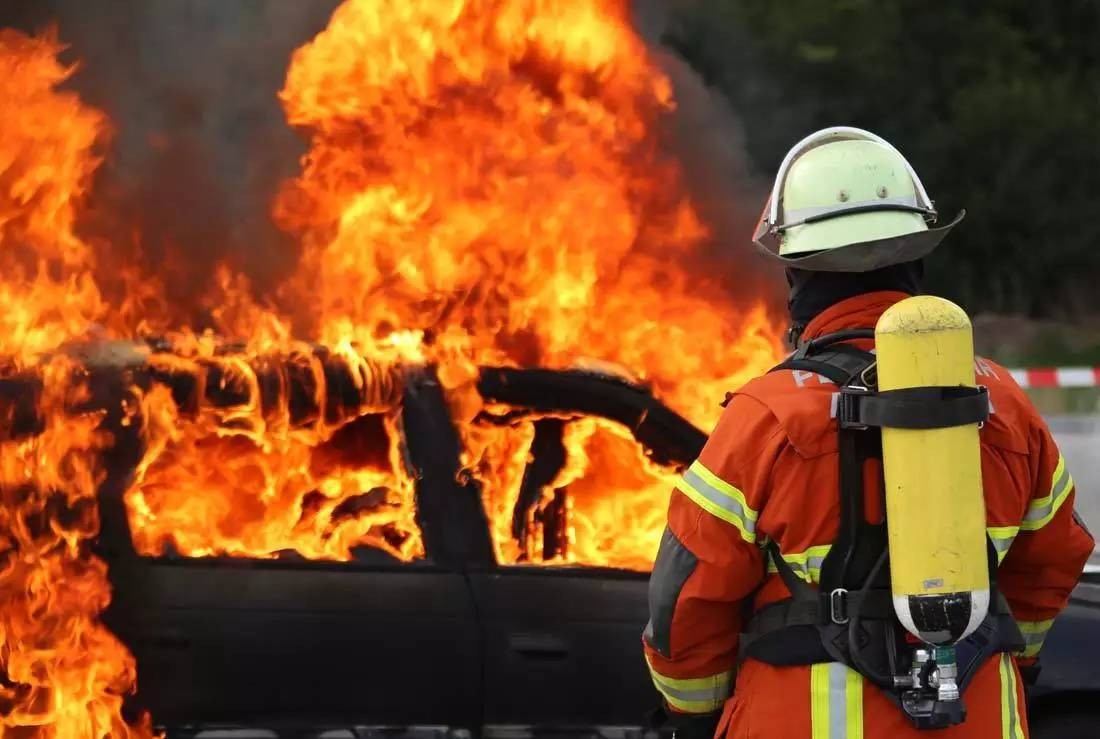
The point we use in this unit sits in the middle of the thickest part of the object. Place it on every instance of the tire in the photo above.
(1070, 723)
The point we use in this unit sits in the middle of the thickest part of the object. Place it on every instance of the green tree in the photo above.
(995, 102)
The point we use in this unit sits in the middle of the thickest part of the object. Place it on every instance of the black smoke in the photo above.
(706, 135)
(200, 144)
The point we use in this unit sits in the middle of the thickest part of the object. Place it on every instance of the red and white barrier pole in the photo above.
(1057, 377)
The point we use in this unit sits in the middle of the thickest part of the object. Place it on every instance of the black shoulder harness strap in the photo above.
(850, 617)
(830, 357)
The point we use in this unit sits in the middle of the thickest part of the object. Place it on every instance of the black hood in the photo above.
(813, 292)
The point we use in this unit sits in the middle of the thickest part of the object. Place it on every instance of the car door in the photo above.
(563, 643)
(296, 642)
(259, 643)
(563, 646)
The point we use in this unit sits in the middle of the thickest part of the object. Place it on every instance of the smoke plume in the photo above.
(200, 143)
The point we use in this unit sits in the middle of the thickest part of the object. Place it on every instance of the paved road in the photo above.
(1079, 439)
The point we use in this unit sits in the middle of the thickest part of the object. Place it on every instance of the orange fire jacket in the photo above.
(769, 471)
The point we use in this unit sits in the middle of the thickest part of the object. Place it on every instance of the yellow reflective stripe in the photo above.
(819, 701)
(836, 702)
(1004, 698)
(719, 498)
(1011, 725)
(693, 695)
(1002, 538)
(806, 565)
(1035, 633)
(854, 707)
(1035, 627)
(1041, 510)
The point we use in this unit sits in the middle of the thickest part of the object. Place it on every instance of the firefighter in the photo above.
(770, 608)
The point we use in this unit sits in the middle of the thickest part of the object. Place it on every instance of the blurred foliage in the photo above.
(1052, 348)
(996, 103)
(1074, 401)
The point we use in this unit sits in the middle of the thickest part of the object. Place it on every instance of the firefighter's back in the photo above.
(754, 525)
(802, 516)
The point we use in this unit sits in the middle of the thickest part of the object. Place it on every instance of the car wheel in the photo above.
(1067, 724)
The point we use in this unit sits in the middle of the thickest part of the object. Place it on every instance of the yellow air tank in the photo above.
(935, 510)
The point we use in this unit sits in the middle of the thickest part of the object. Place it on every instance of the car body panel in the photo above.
(563, 646)
(219, 642)
(1071, 654)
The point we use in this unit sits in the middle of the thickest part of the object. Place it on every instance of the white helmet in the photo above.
(845, 200)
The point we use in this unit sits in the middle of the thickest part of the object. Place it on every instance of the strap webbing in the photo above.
(840, 363)
(872, 605)
(920, 407)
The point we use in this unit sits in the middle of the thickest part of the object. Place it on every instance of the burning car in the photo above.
(484, 185)
(461, 632)
(424, 619)
(454, 636)
(390, 523)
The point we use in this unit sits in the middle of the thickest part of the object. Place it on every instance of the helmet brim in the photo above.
(864, 256)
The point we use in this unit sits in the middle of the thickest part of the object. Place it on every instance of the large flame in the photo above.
(63, 674)
(486, 184)
(253, 473)
(486, 177)
(47, 157)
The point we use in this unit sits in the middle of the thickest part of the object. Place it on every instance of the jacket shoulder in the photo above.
(1012, 413)
(802, 403)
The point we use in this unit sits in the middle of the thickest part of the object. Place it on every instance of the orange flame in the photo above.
(486, 184)
(47, 157)
(63, 674)
(487, 178)
(240, 480)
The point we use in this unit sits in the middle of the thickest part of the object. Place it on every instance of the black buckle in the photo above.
(838, 606)
(848, 413)
(794, 338)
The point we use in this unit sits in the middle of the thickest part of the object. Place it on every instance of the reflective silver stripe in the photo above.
(1013, 716)
(1036, 638)
(719, 498)
(1034, 633)
(811, 569)
(838, 701)
(1042, 510)
(693, 695)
